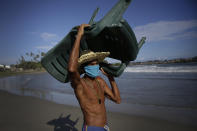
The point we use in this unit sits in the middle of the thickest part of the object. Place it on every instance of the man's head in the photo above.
(88, 62)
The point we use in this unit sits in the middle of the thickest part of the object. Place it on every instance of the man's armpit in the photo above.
(77, 86)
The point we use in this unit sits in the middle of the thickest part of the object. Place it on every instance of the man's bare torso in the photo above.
(91, 98)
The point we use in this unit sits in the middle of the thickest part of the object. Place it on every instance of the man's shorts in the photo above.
(95, 128)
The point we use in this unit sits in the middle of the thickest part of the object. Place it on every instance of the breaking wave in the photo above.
(156, 68)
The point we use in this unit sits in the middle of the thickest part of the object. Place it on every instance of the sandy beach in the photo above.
(26, 113)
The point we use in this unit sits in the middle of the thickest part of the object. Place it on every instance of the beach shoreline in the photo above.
(22, 113)
(13, 73)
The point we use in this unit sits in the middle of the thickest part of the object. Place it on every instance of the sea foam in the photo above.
(155, 68)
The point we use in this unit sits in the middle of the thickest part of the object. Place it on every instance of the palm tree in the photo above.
(42, 54)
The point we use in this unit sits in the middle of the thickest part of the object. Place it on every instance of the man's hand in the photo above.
(81, 29)
(105, 73)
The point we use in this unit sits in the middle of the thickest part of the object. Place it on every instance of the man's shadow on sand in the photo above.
(63, 123)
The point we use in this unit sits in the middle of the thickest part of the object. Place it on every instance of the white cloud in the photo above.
(189, 34)
(53, 42)
(48, 36)
(167, 30)
(44, 47)
(47, 47)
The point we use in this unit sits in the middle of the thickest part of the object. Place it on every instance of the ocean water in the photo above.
(167, 91)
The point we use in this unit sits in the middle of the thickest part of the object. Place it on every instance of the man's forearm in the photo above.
(73, 61)
(115, 89)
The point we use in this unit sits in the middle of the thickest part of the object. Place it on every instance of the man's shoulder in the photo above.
(100, 79)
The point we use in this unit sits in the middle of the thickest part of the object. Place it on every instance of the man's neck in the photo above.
(89, 78)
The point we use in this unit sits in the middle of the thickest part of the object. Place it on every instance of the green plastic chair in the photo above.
(112, 33)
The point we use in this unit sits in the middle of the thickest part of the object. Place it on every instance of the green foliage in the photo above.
(30, 61)
(178, 60)
(30, 65)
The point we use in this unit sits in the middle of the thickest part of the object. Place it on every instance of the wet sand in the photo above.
(25, 113)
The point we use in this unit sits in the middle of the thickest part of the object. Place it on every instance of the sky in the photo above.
(38, 25)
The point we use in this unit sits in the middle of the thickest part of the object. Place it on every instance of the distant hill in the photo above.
(179, 60)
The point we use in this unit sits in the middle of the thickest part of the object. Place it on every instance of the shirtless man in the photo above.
(91, 90)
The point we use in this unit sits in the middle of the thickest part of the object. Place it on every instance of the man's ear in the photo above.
(81, 71)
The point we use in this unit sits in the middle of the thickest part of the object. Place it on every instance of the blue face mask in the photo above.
(92, 70)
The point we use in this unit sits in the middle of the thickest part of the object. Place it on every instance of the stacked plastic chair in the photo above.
(112, 33)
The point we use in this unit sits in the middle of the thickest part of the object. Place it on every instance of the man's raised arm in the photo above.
(73, 60)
